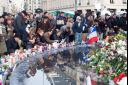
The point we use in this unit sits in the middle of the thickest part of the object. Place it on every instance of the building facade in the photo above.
(18, 5)
(31, 5)
(4, 6)
(57, 4)
(11, 6)
(83, 5)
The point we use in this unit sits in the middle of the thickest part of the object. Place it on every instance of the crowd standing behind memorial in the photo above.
(24, 30)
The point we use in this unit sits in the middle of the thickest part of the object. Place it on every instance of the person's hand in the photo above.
(63, 40)
(57, 41)
(32, 41)
(115, 26)
(72, 33)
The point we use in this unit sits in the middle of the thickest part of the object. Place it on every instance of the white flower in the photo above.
(122, 48)
(107, 43)
(125, 55)
(120, 51)
(55, 45)
(112, 53)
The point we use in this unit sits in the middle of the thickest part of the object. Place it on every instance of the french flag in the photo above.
(93, 37)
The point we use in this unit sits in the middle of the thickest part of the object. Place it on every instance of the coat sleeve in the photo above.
(47, 39)
(74, 27)
(18, 23)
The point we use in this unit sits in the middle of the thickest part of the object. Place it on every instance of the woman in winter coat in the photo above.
(3, 47)
(9, 27)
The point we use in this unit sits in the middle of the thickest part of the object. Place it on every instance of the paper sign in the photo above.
(0, 29)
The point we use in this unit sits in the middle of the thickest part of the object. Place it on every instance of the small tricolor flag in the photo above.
(93, 37)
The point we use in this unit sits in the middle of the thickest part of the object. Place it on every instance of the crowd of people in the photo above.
(25, 30)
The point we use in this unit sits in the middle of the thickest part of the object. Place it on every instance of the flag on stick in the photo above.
(93, 37)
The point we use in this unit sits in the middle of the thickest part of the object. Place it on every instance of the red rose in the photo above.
(109, 40)
(94, 82)
(106, 47)
(121, 75)
(100, 46)
(116, 79)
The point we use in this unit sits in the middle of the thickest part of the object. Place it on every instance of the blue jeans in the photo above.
(78, 38)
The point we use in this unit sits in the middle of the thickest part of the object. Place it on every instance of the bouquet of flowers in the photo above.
(109, 60)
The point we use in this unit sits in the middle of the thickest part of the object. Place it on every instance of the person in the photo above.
(14, 43)
(123, 22)
(38, 20)
(3, 35)
(108, 24)
(45, 24)
(31, 38)
(115, 22)
(9, 27)
(52, 21)
(39, 36)
(20, 25)
(75, 16)
(46, 14)
(69, 24)
(101, 28)
(78, 29)
(47, 36)
(65, 33)
(61, 20)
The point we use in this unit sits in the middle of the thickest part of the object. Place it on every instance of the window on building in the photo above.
(111, 1)
(39, 2)
(39, 7)
(79, 2)
(29, 1)
(30, 8)
(34, 2)
(88, 3)
(124, 1)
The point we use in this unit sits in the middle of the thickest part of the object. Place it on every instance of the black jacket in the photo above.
(39, 39)
(108, 23)
(76, 28)
(19, 22)
(12, 45)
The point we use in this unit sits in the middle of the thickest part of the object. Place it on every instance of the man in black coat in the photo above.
(61, 20)
(108, 24)
(20, 25)
(123, 22)
(115, 22)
